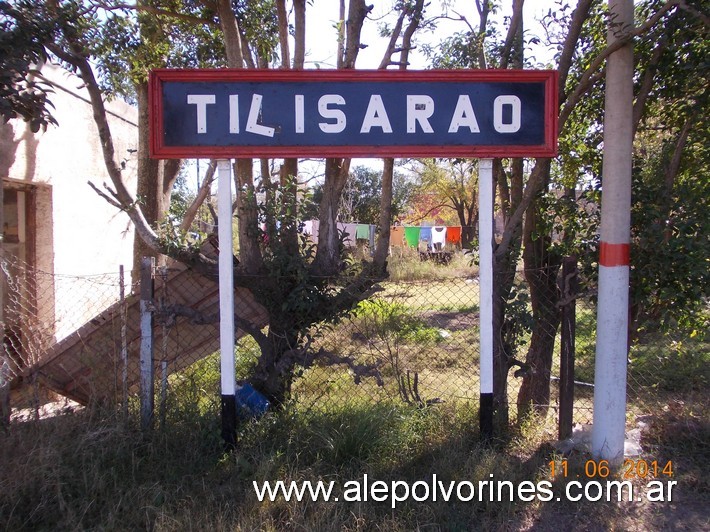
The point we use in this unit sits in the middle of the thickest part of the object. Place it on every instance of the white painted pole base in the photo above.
(485, 286)
(608, 433)
(226, 300)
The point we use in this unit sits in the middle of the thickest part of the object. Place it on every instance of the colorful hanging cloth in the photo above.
(425, 234)
(453, 235)
(349, 231)
(411, 235)
(438, 234)
(362, 231)
(397, 236)
(315, 224)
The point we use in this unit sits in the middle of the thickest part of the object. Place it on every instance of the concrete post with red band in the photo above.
(608, 433)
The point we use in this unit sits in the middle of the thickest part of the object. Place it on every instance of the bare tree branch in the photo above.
(202, 194)
(156, 11)
(282, 17)
(513, 30)
(105, 196)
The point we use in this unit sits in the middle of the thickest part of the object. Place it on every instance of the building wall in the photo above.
(76, 233)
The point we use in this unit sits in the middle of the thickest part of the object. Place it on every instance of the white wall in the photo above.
(78, 233)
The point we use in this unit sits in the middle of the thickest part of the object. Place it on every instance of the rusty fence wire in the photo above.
(79, 337)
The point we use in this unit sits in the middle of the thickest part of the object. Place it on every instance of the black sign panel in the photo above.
(247, 113)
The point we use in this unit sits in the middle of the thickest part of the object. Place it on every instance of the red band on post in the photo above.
(611, 255)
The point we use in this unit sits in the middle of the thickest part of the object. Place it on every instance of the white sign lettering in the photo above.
(514, 125)
(419, 108)
(464, 116)
(201, 101)
(376, 116)
(327, 112)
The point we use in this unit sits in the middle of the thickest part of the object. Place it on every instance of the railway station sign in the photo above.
(229, 113)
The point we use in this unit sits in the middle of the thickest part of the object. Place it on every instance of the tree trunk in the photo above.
(383, 240)
(357, 12)
(250, 257)
(468, 233)
(155, 181)
(503, 279)
(505, 263)
(541, 270)
(273, 375)
(327, 261)
(289, 169)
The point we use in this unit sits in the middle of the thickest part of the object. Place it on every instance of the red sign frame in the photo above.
(159, 77)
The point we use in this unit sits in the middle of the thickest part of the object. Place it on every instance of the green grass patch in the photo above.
(660, 363)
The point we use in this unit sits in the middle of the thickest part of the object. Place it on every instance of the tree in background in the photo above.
(362, 194)
(670, 247)
(453, 184)
(578, 33)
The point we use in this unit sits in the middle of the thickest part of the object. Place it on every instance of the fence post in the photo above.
(146, 354)
(4, 363)
(569, 292)
(162, 409)
(124, 342)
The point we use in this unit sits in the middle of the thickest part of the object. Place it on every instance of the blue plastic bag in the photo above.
(250, 402)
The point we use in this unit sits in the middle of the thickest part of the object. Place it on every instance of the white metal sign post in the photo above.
(226, 300)
(485, 286)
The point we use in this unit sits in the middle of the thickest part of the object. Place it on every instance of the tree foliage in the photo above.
(361, 196)
(670, 247)
(454, 185)
(22, 49)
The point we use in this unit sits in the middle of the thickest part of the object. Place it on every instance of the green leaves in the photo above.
(22, 94)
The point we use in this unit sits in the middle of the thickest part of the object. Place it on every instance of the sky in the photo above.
(323, 14)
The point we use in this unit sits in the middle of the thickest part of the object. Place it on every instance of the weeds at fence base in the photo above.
(93, 470)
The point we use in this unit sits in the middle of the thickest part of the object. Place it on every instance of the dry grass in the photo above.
(90, 471)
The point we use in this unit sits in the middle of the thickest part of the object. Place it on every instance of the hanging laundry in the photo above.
(411, 235)
(438, 236)
(372, 229)
(453, 235)
(349, 232)
(425, 234)
(315, 224)
(397, 236)
(362, 231)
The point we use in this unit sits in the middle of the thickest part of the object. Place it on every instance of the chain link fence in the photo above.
(80, 336)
